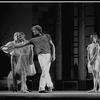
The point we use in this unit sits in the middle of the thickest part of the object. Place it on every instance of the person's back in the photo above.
(42, 44)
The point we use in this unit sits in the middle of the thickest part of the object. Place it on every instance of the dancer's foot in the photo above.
(50, 89)
(99, 90)
(24, 91)
(92, 91)
(15, 90)
(43, 91)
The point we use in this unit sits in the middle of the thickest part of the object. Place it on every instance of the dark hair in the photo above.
(37, 27)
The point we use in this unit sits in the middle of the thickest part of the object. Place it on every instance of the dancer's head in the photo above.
(22, 35)
(19, 36)
(37, 30)
(16, 34)
(94, 38)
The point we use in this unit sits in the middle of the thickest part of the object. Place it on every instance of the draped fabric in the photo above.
(7, 50)
(25, 61)
(21, 64)
(14, 55)
(94, 57)
(22, 58)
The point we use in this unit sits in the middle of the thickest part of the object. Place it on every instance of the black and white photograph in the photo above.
(49, 49)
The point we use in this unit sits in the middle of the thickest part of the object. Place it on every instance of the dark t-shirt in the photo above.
(41, 44)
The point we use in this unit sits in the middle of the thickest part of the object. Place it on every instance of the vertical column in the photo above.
(81, 43)
(58, 44)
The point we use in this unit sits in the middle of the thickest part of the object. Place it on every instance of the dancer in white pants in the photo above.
(45, 62)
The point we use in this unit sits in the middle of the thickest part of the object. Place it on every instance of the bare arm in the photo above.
(88, 54)
(88, 58)
(96, 52)
(6, 48)
(31, 54)
(22, 45)
(95, 49)
(53, 49)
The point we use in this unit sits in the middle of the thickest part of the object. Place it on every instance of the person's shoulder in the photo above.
(10, 43)
(94, 46)
(97, 45)
(31, 46)
(47, 34)
(90, 45)
(32, 40)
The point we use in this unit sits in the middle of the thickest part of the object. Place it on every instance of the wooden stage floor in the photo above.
(55, 94)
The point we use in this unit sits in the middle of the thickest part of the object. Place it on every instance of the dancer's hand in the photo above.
(53, 58)
(11, 47)
(90, 69)
(1, 47)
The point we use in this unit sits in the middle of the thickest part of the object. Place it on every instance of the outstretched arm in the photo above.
(22, 45)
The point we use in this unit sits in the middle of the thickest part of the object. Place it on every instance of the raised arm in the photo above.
(6, 48)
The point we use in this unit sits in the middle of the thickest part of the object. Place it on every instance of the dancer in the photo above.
(45, 51)
(24, 65)
(14, 58)
(93, 57)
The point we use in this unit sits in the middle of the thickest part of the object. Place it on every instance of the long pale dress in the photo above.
(21, 62)
(25, 66)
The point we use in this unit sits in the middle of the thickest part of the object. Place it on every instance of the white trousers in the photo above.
(45, 79)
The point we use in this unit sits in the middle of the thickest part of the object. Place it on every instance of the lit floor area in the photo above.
(54, 94)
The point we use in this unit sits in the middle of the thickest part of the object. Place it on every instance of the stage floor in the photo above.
(54, 94)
